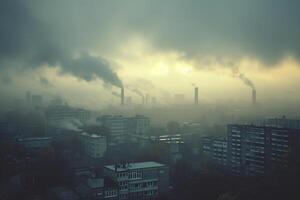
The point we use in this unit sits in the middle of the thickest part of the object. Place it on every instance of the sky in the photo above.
(86, 50)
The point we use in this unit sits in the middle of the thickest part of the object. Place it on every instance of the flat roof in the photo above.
(133, 166)
(33, 138)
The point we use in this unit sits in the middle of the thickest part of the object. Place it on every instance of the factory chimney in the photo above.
(253, 96)
(196, 96)
(122, 96)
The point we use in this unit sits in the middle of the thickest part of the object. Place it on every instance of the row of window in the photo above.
(111, 193)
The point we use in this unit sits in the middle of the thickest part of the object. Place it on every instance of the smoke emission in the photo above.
(29, 42)
(135, 90)
(242, 77)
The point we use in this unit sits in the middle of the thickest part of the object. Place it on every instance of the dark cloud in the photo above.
(30, 39)
(88, 68)
(33, 33)
(265, 29)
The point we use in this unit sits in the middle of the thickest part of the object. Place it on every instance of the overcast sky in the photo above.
(85, 50)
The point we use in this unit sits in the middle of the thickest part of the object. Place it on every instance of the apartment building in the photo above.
(138, 181)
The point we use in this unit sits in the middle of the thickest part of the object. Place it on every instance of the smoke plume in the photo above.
(242, 77)
(30, 40)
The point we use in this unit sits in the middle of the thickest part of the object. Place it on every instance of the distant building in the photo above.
(138, 125)
(57, 113)
(119, 125)
(284, 122)
(257, 150)
(94, 145)
(216, 149)
(144, 180)
(192, 127)
(35, 143)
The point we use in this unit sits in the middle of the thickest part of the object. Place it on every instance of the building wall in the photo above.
(143, 183)
(257, 150)
(94, 145)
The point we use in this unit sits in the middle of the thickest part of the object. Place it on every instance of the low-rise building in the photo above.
(98, 189)
(138, 181)
(35, 143)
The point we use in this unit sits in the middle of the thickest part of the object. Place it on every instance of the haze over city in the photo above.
(149, 99)
(85, 50)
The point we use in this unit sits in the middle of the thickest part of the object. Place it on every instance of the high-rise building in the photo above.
(254, 150)
(139, 181)
(216, 149)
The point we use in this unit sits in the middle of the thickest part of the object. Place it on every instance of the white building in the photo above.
(117, 124)
(94, 145)
(138, 125)
(57, 113)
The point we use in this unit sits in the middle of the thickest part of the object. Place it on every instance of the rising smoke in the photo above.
(28, 42)
(236, 72)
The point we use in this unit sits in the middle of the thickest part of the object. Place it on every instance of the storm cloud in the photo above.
(55, 33)
(29, 40)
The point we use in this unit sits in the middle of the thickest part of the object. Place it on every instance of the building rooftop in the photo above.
(33, 138)
(91, 135)
(133, 166)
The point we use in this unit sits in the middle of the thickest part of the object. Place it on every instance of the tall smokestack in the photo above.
(196, 96)
(253, 96)
(122, 96)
